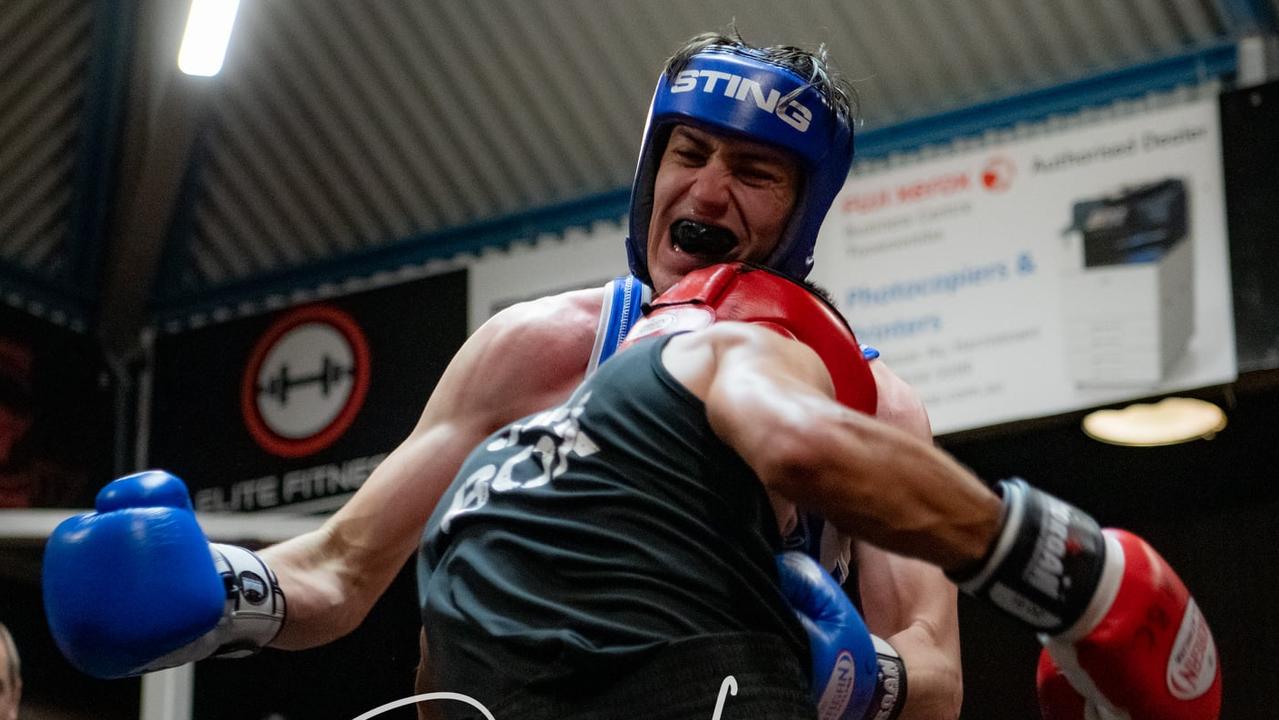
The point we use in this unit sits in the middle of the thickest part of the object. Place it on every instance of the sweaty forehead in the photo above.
(740, 147)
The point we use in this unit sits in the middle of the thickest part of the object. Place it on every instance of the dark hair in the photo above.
(814, 66)
(819, 291)
(809, 285)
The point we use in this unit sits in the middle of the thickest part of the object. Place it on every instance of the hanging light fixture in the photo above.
(207, 34)
(1167, 422)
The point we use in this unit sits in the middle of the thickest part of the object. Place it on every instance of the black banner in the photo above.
(1249, 146)
(294, 409)
(56, 418)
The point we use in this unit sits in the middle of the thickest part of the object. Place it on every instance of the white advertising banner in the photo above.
(579, 259)
(1051, 273)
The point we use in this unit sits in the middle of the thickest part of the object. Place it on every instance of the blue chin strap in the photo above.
(735, 91)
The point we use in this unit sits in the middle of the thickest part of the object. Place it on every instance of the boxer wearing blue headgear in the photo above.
(790, 128)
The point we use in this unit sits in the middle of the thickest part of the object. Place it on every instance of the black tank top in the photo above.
(577, 540)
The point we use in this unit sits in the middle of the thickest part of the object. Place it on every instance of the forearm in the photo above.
(934, 688)
(333, 576)
(917, 601)
(881, 485)
(324, 602)
(913, 606)
(770, 400)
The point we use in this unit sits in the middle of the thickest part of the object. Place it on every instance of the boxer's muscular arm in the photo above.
(909, 602)
(766, 400)
(528, 357)
(769, 398)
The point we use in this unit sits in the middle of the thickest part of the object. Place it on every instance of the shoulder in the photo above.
(554, 329)
(739, 351)
(899, 404)
(525, 358)
(568, 315)
(748, 340)
(546, 339)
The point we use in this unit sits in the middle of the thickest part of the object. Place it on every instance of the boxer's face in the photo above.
(743, 187)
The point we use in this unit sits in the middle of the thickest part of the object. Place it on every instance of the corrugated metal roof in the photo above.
(343, 129)
(339, 127)
(44, 53)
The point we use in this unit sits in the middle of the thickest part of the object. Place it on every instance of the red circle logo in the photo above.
(998, 174)
(305, 381)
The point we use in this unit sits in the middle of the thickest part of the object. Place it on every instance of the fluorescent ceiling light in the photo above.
(1167, 422)
(204, 42)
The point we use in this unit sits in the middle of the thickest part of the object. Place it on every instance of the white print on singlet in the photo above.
(558, 436)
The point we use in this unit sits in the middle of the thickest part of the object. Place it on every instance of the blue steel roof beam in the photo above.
(100, 141)
(161, 154)
(33, 294)
(178, 247)
(1250, 17)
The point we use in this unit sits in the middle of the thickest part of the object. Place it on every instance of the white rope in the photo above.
(258, 528)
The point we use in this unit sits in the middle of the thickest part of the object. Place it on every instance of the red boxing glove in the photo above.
(1142, 650)
(1126, 640)
(1058, 699)
(745, 293)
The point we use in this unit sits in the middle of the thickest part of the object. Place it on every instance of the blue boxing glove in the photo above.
(818, 539)
(136, 586)
(856, 676)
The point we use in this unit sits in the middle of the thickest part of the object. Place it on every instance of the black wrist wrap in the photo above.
(1046, 562)
(890, 687)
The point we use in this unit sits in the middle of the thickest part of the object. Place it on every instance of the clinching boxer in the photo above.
(1123, 639)
(598, 554)
(743, 152)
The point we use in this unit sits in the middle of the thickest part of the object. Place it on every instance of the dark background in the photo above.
(1210, 507)
(70, 401)
(373, 666)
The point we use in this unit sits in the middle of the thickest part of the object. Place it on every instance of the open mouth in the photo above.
(700, 239)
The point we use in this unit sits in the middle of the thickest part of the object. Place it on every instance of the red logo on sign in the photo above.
(998, 174)
(305, 381)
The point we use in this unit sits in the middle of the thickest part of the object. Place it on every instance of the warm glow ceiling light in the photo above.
(1167, 422)
(205, 40)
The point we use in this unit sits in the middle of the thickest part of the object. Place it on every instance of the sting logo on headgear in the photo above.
(305, 381)
(792, 112)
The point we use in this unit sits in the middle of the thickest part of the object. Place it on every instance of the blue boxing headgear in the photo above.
(738, 91)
